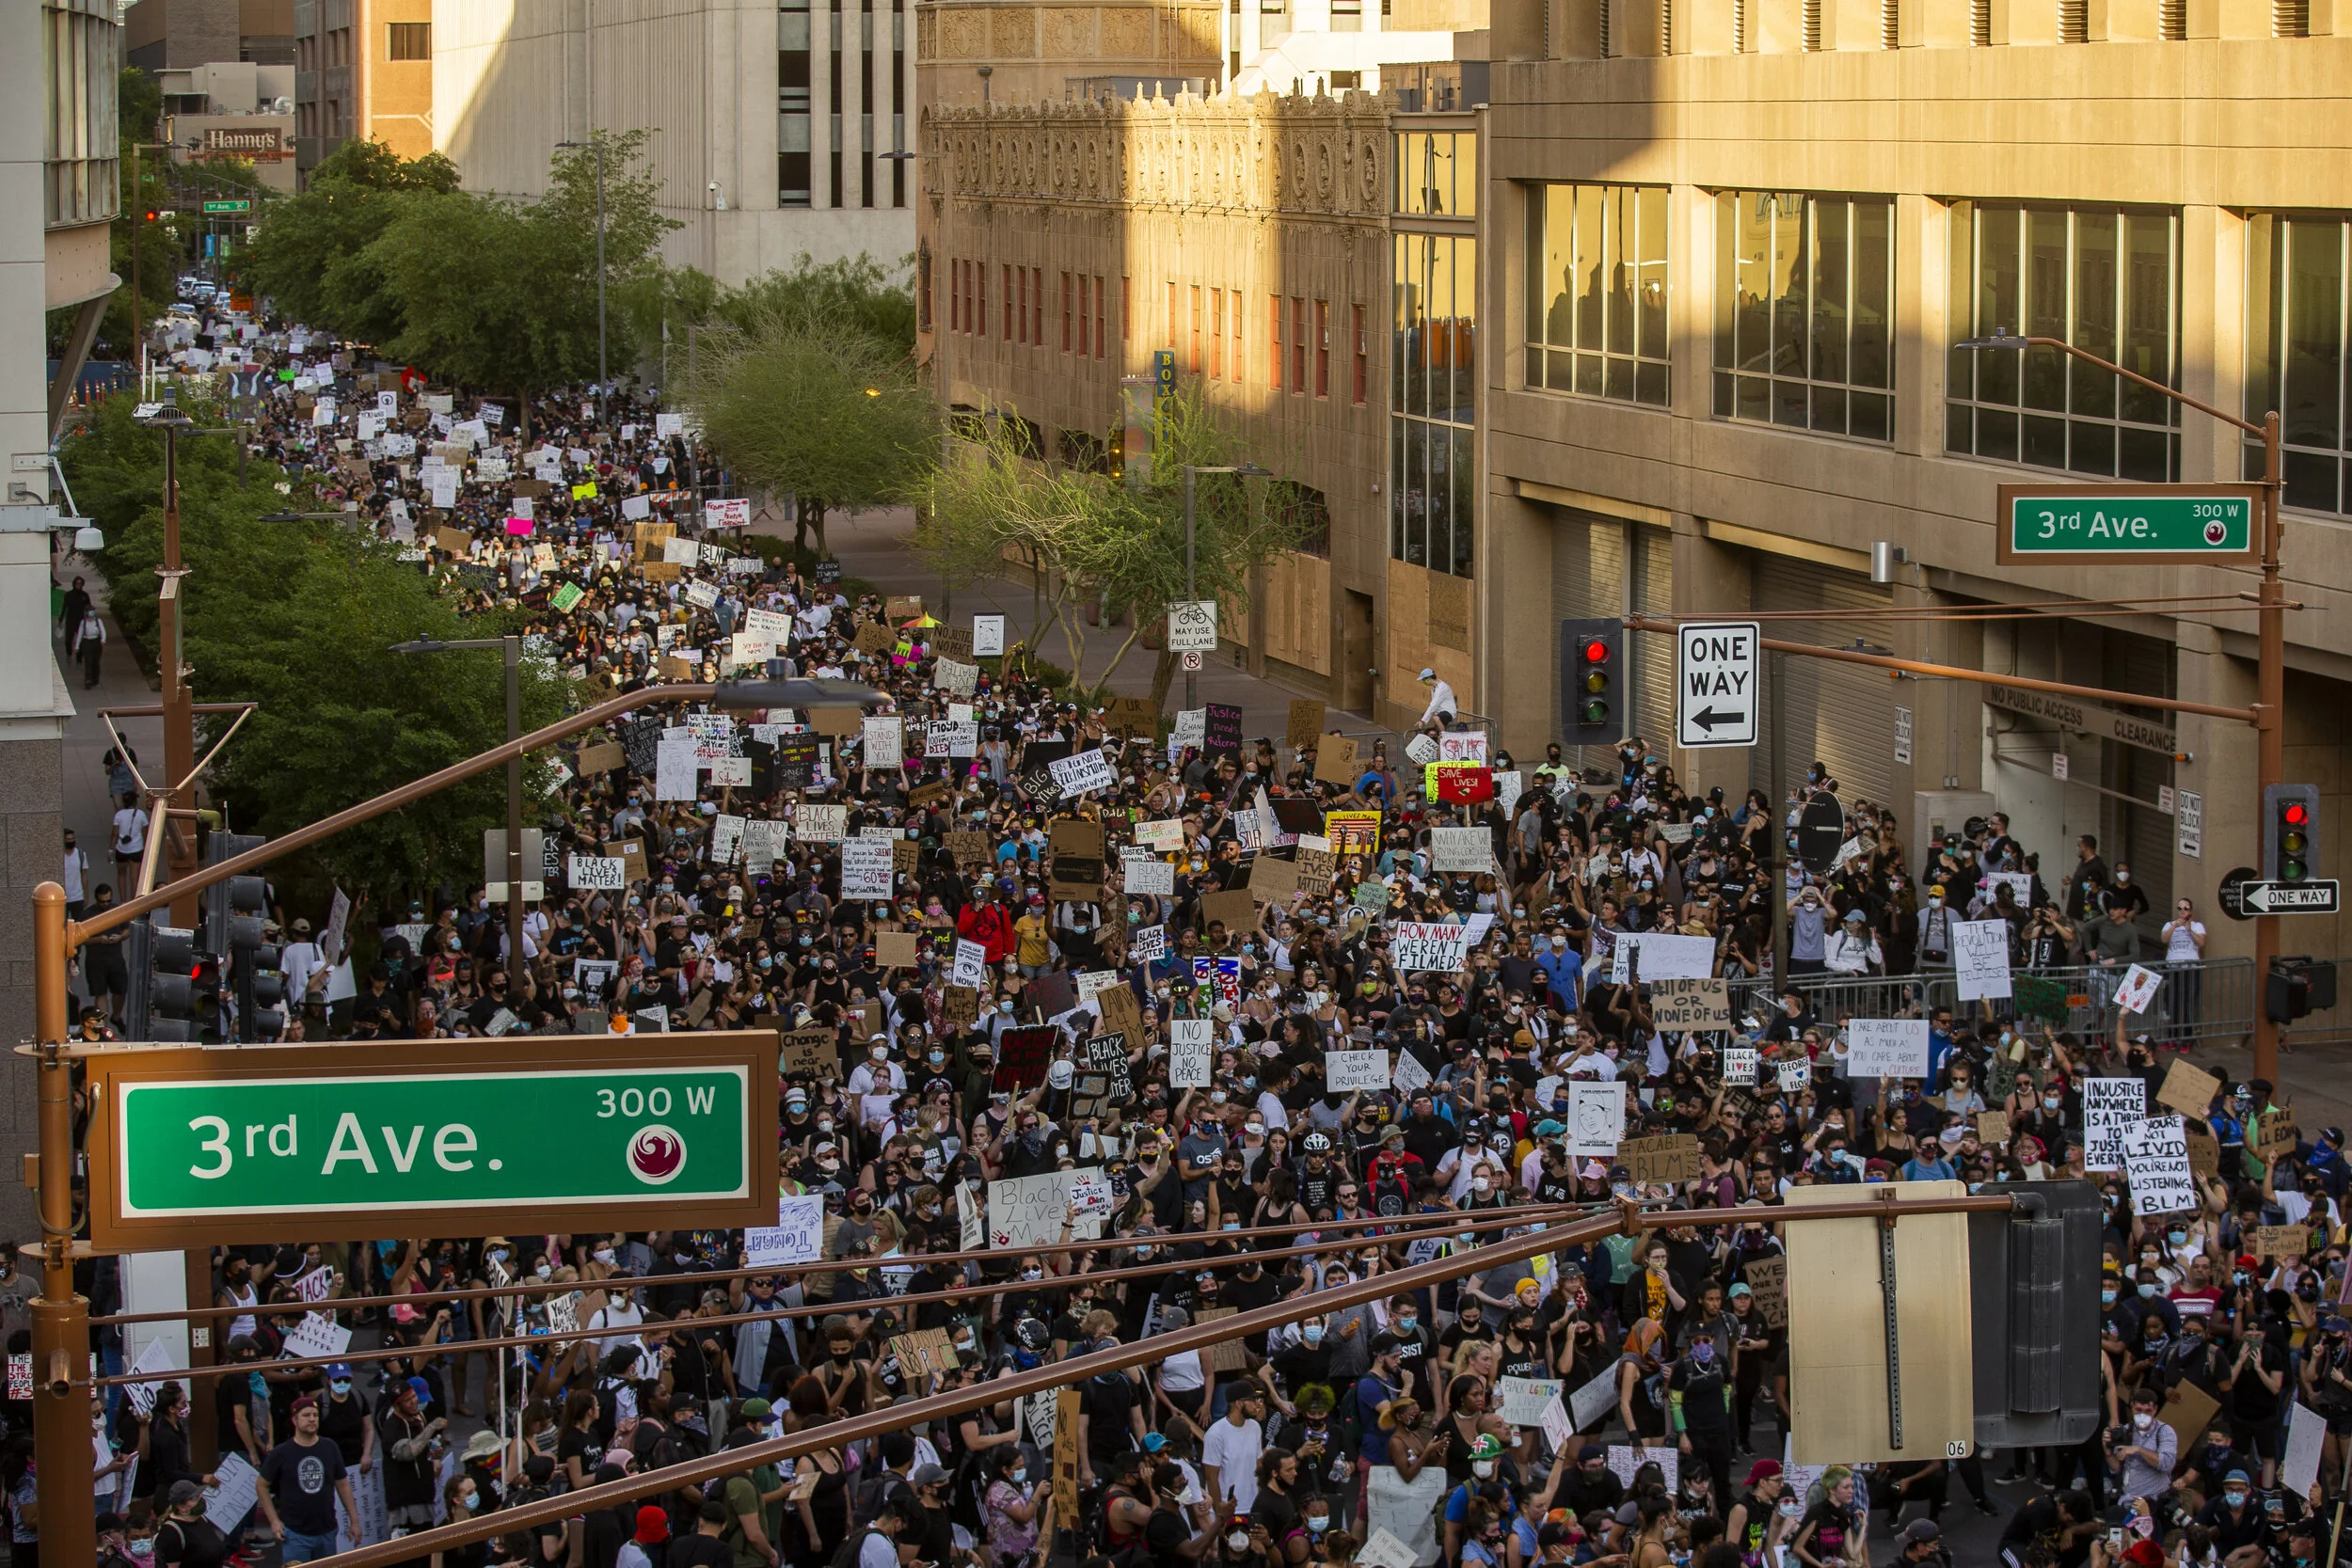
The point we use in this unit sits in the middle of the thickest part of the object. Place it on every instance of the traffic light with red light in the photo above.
(1592, 680)
(2290, 832)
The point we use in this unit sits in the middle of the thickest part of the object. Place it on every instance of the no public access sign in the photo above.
(189, 1145)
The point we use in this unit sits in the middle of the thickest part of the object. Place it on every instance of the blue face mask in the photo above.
(1703, 1353)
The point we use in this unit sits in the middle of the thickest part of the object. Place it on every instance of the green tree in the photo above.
(310, 257)
(829, 414)
(502, 296)
(1088, 537)
(856, 295)
(297, 616)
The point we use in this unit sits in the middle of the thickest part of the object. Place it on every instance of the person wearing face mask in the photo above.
(2147, 1450)
(185, 1538)
(1012, 1505)
(1303, 1362)
(2233, 1515)
(1699, 1406)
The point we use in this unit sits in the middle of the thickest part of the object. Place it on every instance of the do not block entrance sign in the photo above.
(1716, 690)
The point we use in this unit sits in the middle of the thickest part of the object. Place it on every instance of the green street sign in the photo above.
(369, 1140)
(2098, 524)
(228, 206)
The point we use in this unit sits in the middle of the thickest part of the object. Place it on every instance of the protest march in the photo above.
(1099, 1021)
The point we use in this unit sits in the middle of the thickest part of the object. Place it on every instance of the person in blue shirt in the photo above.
(1931, 1160)
(1563, 969)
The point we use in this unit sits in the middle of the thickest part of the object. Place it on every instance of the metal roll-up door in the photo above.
(1840, 715)
(1587, 578)
(1652, 653)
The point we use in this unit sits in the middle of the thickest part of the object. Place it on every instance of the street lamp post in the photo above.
(178, 699)
(595, 141)
(513, 646)
(1246, 470)
(2270, 641)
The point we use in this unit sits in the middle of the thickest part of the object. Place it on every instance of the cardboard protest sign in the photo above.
(2281, 1241)
(1768, 1281)
(1335, 760)
(897, 949)
(2275, 1133)
(1272, 880)
(1234, 906)
(809, 1053)
(1992, 1128)
(1132, 716)
(2189, 1090)
(1306, 724)
(1672, 1158)
(1682, 1006)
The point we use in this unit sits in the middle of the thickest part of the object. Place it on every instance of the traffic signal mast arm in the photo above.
(1911, 666)
(1628, 1219)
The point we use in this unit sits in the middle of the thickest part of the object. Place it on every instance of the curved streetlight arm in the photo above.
(2009, 340)
(733, 695)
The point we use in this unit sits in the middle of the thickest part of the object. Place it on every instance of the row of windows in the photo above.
(1803, 324)
(1433, 402)
(1204, 325)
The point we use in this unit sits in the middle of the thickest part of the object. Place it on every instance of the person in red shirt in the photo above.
(984, 921)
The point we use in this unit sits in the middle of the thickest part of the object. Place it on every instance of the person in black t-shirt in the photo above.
(300, 1483)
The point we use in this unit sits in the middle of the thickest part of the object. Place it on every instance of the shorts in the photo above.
(2257, 1436)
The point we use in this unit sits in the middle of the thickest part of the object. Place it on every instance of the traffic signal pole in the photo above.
(2270, 762)
(60, 1316)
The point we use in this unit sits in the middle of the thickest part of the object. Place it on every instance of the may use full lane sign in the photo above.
(1716, 689)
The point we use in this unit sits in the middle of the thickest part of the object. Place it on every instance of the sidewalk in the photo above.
(88, 810)
(874, 545)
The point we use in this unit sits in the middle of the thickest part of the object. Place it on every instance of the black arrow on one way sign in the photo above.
(1707, 718)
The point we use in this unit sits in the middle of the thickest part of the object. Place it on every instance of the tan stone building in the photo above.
(1735, 242)
(364, 68)
(1273, 248)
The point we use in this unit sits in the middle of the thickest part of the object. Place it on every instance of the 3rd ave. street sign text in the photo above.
(343, 1140)
(2158, 524)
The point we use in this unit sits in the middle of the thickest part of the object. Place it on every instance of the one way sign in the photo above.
(1716, 689)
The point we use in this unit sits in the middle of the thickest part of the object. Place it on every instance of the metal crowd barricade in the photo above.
(2212, 999)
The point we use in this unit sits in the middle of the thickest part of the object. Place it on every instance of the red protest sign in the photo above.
(1021, 1058)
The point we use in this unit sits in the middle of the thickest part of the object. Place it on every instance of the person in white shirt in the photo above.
(2184, 938)
(130, 836)
(1442, 703)
(1230, 1451)
(76, 876)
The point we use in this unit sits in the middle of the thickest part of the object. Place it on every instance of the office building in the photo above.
(61, 194)
(1736, 247)
(163, 35)
(752, 188)
(364, 68)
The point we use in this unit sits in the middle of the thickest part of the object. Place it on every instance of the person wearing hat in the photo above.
(1442, 705)
(1922, 1542)
(299, 1483)
(411, 1446)
(185, 1538)
(1749, 1525)
(1852, 949)
(647, 1544)
(1698, 1398)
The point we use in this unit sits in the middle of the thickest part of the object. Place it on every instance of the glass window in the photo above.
(1435, 174)
(2104, 279)
(1433, 402)
(1803, 288)
(2296, 270)
(1595, 258)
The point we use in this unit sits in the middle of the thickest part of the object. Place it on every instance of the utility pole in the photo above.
(595, 143)
(178, 699)
(2270, 677)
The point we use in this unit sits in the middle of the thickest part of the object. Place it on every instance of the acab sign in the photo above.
(563, 1132)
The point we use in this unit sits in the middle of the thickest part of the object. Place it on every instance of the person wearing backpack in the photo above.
(893, 1486)
(886, 1541)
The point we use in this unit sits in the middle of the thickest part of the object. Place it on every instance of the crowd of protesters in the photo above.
(1363, 1430)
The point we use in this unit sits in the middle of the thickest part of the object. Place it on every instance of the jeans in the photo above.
(299, 1547)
